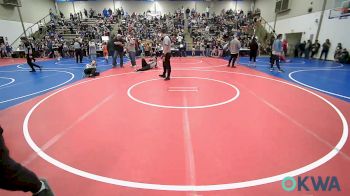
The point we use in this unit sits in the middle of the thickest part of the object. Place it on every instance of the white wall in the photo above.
(162, 6)
(13, 29)
(32, 10)
(305, 24)
(336, 30)
(297, 8)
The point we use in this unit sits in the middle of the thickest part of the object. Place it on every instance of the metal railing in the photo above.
(269, 28)
(32, 29)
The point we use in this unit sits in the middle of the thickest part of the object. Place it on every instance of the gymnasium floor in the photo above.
(211, 130)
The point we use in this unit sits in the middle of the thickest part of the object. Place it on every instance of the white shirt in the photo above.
(166, 45)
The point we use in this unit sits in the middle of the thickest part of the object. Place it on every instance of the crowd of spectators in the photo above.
(307, 49)
(210, 32)
(52, 37)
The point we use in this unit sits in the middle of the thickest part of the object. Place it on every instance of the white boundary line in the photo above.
(12, 80)
(267, 61)
(286, 66)
(20, 97)
(228, 186)
(62, 68)
(309, 86)
(182, 107)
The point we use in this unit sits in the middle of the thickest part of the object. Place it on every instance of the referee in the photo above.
(166, 55)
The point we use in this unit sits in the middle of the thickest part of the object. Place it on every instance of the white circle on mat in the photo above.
(183, 107)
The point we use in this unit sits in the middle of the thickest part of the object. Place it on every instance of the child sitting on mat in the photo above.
(150, 65)
(90, 69)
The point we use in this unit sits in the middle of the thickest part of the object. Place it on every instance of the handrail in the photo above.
(270, 27)
(29, 28)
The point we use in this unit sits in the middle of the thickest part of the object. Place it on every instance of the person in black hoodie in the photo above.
(314, 48)
(253, 51)
(29, 54)
(15, 177)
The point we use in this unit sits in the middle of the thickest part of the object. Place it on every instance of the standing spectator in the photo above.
(276, 53)
(285, 47)
(131, 49)
(207, 11)
(15, 177)
(118, 50)
(314, 49)
(3, 52)
(221, 50)
(183, 49)
(207, 49)
(325, 49)
(110, 47)
(253, 51)
(8, 49)
(91, 13)
(302, 48)
(92, 50)
(234, 47)
(202, 49)
(193, 50)
(110, 12)
(188, 12)
(308, 49)
(105, 13)
(85, 13)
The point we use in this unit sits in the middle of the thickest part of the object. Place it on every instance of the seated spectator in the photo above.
(344, 57)
(338, 52)
(90, 69)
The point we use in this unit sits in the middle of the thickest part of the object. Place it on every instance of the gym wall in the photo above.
(299, 20)
(32, 11)
(159, 6)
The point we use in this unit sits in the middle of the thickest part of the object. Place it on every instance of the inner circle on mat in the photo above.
(195, 93)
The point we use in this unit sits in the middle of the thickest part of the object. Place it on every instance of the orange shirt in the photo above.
(105, 50)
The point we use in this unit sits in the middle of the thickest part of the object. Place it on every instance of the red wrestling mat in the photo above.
(128, 133)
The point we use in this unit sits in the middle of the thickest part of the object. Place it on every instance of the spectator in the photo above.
(276, 53)
(308, 49)
(15, 177)
(90, 69)
(315, 48)
(285, 47)
(131, 49)
(253, 51)
(234, 47)
(338, 52)
(302, 48)
(325, 49)
(118, 50)
(344, 57)
(92, 50)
